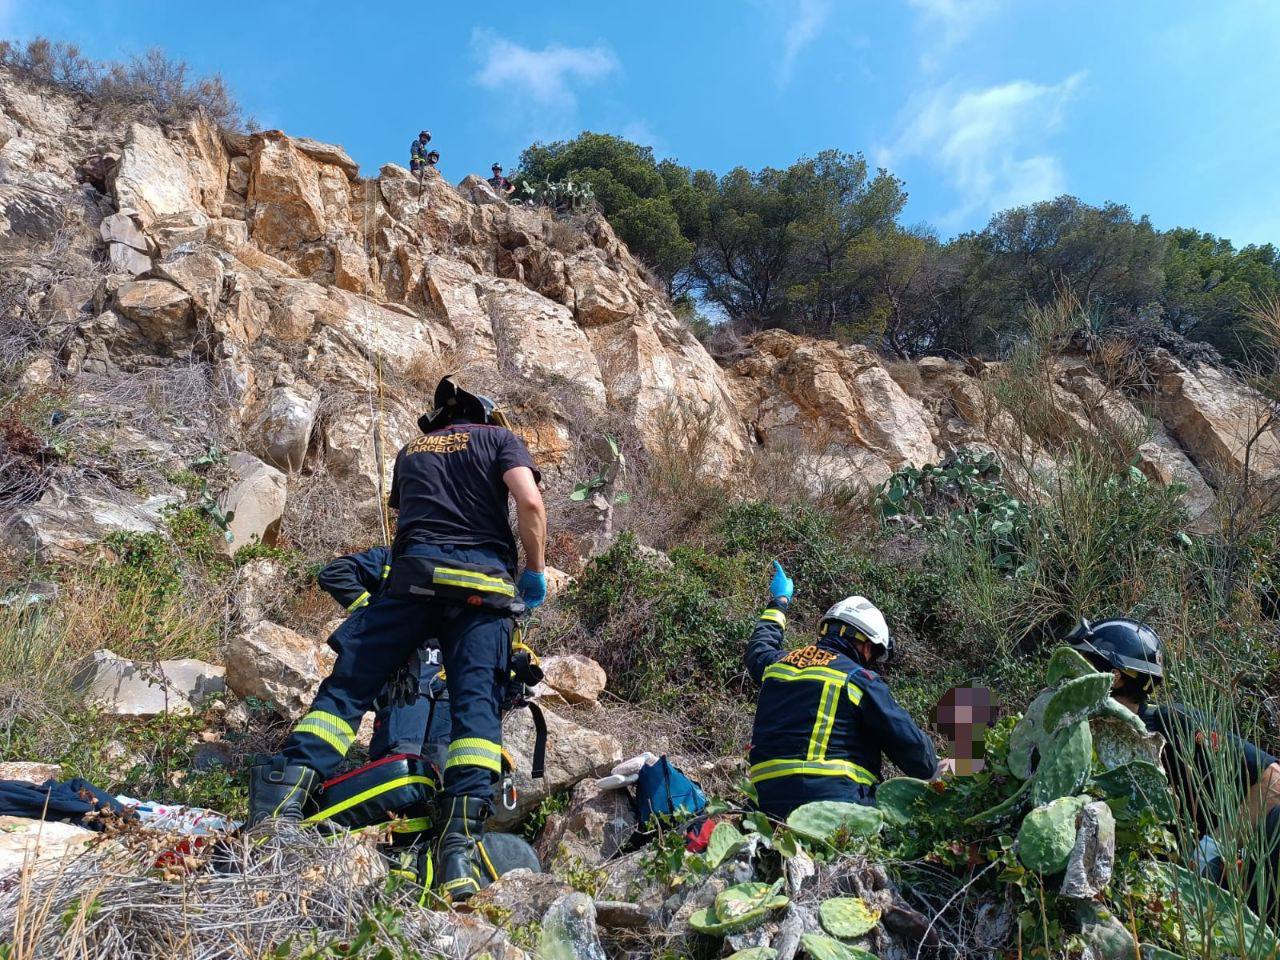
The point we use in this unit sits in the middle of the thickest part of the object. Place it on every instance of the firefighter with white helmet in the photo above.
(825, 718)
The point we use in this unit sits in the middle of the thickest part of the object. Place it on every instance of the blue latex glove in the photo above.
(781, 587)
(533, 588)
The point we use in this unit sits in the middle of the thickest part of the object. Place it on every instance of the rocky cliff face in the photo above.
(176, 289)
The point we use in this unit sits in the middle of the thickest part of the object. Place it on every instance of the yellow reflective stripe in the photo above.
(773, 769)
(826, 719)
(785, 671)
(474, 579)
(358, 602)
(855, 693)
(386, 570)
(335, 722)
(475, 752)
(334, 731)
(359, 798)
(340, 745)
(775, 616)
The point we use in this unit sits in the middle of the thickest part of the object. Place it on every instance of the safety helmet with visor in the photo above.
(1119, 643)
(860, 620)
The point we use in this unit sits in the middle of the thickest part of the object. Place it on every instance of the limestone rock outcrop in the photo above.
(321, 307)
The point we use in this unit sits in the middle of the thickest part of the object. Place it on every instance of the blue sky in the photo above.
(1166, 105)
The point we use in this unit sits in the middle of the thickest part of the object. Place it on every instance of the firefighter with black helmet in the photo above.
(452, 578)
(825, 717)
(1133, 653)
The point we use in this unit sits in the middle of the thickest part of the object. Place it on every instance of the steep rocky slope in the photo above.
(177, 289)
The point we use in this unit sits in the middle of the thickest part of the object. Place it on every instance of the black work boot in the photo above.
(461, 873)
(278, 789)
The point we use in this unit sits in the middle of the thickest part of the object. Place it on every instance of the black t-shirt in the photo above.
(1190, 739)
(449, 489)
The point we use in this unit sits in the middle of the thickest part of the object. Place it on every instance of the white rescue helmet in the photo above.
(865, 618)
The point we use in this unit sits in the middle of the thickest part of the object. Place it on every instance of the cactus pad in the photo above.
(738, 908)
(1048, 835)
(847, 917)
(822, 820)
(754, 953)
(820, 947)
(1077, 700)
(1138, 786)
(1066, 664)
(1028, 736)
(1064, 767)
(1118, 741)
(725, 841)
(900, 799)
(1004, 809)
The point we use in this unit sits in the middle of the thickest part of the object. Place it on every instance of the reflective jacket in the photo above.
(353, 579)
(823, 723)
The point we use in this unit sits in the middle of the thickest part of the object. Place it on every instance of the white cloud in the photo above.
(945, 23)
(806, 19)
(989, 144)
(544, 76)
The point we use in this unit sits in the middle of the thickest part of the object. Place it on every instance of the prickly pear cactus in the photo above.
(823, 819)
(820, 947)
(1028, 736)
(1120, 739)
(725, 841)
(1076, 700)
(900, 798)
(1212, 914)
(1066, 664)
(1064, 768)
(754, 953)
(847, 917)
(1136, 787)
(1004, 809)
(1048, 834)
(738, 908)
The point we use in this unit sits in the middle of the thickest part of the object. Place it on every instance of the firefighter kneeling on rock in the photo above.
(825, 718)
(453, 578)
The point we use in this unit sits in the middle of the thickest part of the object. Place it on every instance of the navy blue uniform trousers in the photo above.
(422, 725)
(475, 645)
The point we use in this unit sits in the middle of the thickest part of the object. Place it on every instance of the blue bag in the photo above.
(663, 790)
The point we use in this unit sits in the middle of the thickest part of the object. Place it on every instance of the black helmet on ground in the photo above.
(1121, 644)
(452, 403)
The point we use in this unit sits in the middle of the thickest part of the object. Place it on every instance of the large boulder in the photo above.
(595, 827)
(254, 503)
(819, 394)
(258, 590)
(153, 178)
(63, 529)
(286, 206)
(1218, 420)
(276, 666)
(284, 430)
(163, 311)
(130, 688)
(521, 896)
(574, 677)
(573, 754)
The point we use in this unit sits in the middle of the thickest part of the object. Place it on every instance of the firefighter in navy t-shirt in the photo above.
(452, 577)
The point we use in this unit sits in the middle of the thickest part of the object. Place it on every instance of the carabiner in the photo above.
(509, 795)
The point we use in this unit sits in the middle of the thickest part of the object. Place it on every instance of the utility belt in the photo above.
(474, 584)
